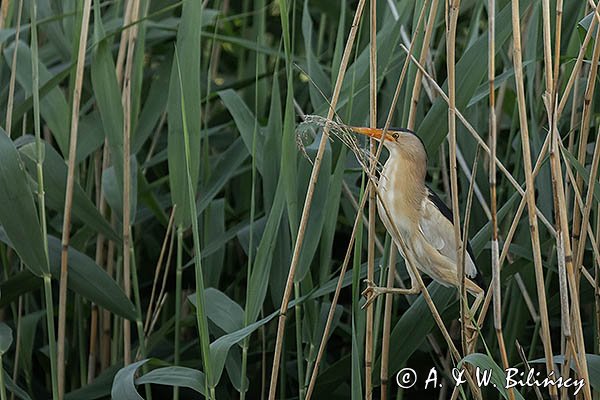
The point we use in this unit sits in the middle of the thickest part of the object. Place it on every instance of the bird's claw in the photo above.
(370, 293)
(471, 330)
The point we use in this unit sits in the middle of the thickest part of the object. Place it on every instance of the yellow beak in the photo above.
(373, 132)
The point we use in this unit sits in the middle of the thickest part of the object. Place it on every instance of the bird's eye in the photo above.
(395, 135)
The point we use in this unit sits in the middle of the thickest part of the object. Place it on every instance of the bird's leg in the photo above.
(372, 291)
(472, 328)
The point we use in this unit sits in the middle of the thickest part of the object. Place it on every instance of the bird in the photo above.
(418, 215)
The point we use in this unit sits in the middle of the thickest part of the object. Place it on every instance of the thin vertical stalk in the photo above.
(571, 324)
(4, 13)
(126, 101)
(41, 197)
(452, 20)
(416, 91)
(159, 264)
(372, 198)
(299, 349)
(105, 343)
(548, 68)
(596, 345)
(178, 276)
(123, 41)
(13, 73)
(246, 342)
(201, 318)
(530, 185)
(584, 132)
(66, 228)
(308, 202)
(8, 128)
(496, 266)
(17, 341)
(579, 62)
(91, 364)
(557, 37)
(387, 324)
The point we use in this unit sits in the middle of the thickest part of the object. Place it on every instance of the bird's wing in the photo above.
(437, 227)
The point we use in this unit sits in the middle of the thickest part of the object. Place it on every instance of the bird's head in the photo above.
(399, 141)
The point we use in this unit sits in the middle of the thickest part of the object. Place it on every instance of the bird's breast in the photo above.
(394, 193)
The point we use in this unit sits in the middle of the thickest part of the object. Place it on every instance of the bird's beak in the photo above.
(373, 132)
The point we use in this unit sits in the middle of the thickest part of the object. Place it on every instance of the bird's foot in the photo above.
(471, 332)
(371, 292)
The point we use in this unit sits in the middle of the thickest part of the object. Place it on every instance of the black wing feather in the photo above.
(447, 212)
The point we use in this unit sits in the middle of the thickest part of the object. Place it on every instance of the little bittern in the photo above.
(419, 216)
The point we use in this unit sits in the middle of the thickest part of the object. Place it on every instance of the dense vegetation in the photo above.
(155, 190)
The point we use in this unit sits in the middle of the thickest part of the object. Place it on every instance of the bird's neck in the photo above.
(404, 176)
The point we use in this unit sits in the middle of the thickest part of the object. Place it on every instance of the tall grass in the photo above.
(202, 254)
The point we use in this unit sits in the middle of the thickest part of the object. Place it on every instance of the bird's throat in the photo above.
(402, 186)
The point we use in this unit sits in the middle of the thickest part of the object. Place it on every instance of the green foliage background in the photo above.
(244, 75)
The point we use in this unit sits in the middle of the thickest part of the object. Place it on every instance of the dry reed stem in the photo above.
(66, 228)
(509, 237)
(563, 246)
(573, 281)
(93, 354)
(481, 142)
(496, 265)
(162, 293)
(416, 91)
(334, 300)
(462, 163)
(465, 239)
(564, 249)
(529, 182)
(119, 65)
(585, 129)
(578, 62)
(387, 324)
(579, 200)
(3, 13)
(99, 256)
(593, 240)
(451, 21)
(126, 101)
(548, 75)
(463, 299)
(597, 296)
(372, 197)
(107, 317)
(492, 174)
(527, 367)
(557, 37)
(159, 263)
(308, 202)
(13, 73)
